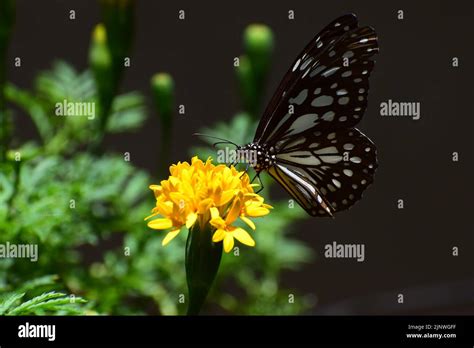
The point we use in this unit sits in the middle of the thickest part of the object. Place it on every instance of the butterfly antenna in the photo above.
(222, 140)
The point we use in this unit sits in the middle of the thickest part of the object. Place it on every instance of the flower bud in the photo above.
(162, 86)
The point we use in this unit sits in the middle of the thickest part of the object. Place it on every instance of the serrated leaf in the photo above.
(55, 303)
(10, 301)
(24, 307)
(128, 113)
(37, 282)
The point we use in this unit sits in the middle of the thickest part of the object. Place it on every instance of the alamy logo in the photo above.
(345, 251)
(237, 156)
(67, 108)
(393, 108)
(37, 331)
(19, 251)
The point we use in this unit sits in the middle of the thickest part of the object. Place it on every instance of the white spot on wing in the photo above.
(328, 116)
(341, 92)
(348, 146)
(356, 159)
(348, 172)
(343, 100)
(310, 159)
(326, 150)
(296, 64)
(331, 159)
(297, 141)
(306, 63)
(300, 98)
(331, 71)
(321, 101)
(303, 123)
(317, 70)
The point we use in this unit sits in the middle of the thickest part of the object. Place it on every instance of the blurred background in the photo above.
(80, 188)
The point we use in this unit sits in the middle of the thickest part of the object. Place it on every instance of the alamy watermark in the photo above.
(394, 108)
(345, 251)
(67, 108)
(19, 251)
(234, 156)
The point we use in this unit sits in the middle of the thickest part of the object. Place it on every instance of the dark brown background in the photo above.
(407, 250)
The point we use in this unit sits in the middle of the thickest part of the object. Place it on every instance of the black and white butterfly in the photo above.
(306, 139)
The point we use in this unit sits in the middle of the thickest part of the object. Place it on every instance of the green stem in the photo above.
(162, 86)
(7, 15)
(164, 157)
(203, 257)
(16, 185)
(105, 111)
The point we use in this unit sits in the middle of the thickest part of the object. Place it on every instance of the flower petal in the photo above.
(169, 237)
(218, 222)
(178, 198)
(160, 224)
(150, 216)
(226, 197)
(248, 222)
(164, 207)
(191, 219)
(228, 242)
(255, 211)
(218, 235)
(205, 204)
(243, 237)
(234, 211)
(214, 213)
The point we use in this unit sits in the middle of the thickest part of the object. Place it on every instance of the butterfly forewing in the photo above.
(331, 92)
(291, 79)
(321, 160)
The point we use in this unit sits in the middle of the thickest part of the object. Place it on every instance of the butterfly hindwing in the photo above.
(330, 169)
(301, 189)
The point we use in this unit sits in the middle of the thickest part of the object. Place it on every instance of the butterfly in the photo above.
(306, 138)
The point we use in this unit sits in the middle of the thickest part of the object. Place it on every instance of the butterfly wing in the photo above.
(327, 85)
(326, 172)
(322, 161)
(314, 48)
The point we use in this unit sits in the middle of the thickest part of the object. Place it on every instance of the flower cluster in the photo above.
(204, 193)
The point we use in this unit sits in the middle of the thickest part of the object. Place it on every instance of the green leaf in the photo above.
(9, 301)
(28, 103)
(37, 282)
(25, 306)
(47, 302)
(128, 113)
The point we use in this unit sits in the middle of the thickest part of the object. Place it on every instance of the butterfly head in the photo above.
(260, 157)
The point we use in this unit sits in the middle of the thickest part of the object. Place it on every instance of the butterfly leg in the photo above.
(245, 171)
(260, 183)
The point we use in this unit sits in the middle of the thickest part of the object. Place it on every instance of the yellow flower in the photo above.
(204, 193)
